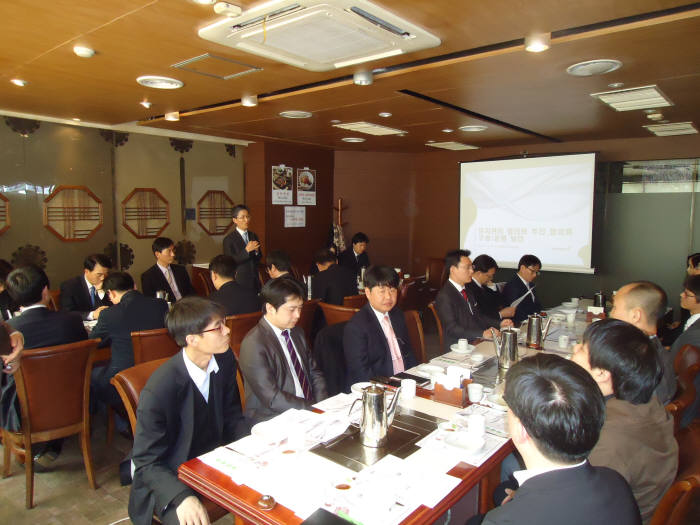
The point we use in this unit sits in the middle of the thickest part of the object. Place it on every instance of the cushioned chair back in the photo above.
(432, 308)
(408, 294)
(688, 356)
(306, 319)
(329, 356)
(55, 302)
(153, 344)
(130, 382)
(415, 334)
(434, 272)
(337, 314)
(240, 325)
(354, 301)
(203, 285)
(53, 385)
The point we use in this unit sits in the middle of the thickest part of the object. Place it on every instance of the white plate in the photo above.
(358, 387)
(431, 369)
(567, 310)
(465, 441)
(456, 350)
(498, 401)
(270, 431)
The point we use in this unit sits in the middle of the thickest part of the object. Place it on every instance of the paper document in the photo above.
(519, 300)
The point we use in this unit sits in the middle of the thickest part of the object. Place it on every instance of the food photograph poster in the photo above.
(306, 187)
(282, 185)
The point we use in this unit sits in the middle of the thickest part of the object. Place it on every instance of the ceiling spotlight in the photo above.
(226, 9)
(430, 141)
(204, 2)
(76, 119)
(19, 82)
(538, 42)
(335, 121)
(363, 78)
(473, 128)
(158, 82)
(353, 139)
(447, 130)
(293, 113)
(173, 116)
(616, 85)
(655, 116)
(84, 51)
(385, 114)
(146, 104)
(594, 67)
(249, 101)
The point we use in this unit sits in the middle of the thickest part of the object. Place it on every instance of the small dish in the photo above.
(568, 304)
(466, 441)
(497, 401)
(455, 348)
(431, 369)
(477, 358)
(358, 387)
(449, 426)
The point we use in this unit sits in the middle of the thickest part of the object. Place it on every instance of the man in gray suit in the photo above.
(278, 370)
(690, 300)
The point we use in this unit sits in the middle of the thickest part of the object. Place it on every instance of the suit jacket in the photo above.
(460, 319)
(43, 327)
(689, 336)
(247, 270)
(133, 313)
(75, 297)
(366, 348)
(348, 259)
(269, 384)
(164, 431)
(333, 283)
(574, 496)
(666, 388)
(236, 299)
(490, 302)
(7, 304)
(153, 280)
(513, 290)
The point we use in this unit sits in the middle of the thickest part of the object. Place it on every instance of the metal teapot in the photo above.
(506, 347)
(536, 331)
(376, 416)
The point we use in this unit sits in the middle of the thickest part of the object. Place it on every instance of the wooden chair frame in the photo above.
(676, 502)
(240, 325)
(438, 323)
(143, 343)
(355, 301)
(417, 337)
(337, 314)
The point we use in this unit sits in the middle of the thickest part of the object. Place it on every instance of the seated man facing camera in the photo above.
(555, 415)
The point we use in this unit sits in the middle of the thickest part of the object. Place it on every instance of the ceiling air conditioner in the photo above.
(320, 35)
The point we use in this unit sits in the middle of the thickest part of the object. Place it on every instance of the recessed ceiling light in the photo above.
(634, 98)
(447, 130)
(353, 139)
(204, 2)
(295, 114)
(84, 51)
(455, 146)
(369, 128)
(173, 116)
(335, 121)
(676, 128)
(76, 119)
(224, 8)
(665, 121)
(249, 101)
(616, 85)
(473, 128)
(594, 67)
(430, 141)
(537, 43)
(363, 78)
(158, 82)
(19, 82)
(145, 103)
(384, 114)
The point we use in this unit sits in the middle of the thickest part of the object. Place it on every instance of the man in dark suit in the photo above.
(356, 257)
(244, 246)
(279, 265)
(375, 341)
(278, 369)
(559, 485)
(85, 293)
(458, 311)
(235, 299)
(481, 287)
(529, 268)
(332, 282)
(131, 312)
(189, 406)
(165, 275)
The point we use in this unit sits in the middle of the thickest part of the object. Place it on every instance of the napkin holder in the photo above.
(457, 397)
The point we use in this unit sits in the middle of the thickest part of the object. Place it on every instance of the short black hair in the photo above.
(276, 292)
(5, 269)
(280, 259)
(26, 284)
(692, 283)
(648, 296)
(628, 354)
(558, 403)
(453, 257)
(529, 260)
(224, 266)
(97, 258)
(694, 259)
(360, 237)
(325, 255)
(483, 263)
(118, 282)
(161, 243)
(381, 276)
(238, 208)
(190, 316)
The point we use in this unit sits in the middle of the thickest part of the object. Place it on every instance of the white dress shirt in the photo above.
(523, 475)
(298, 391)
(174, 286)
(200, 377)
(690, 321)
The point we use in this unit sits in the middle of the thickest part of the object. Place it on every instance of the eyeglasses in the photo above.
(688, 294)
(536, 272)
(219, 326)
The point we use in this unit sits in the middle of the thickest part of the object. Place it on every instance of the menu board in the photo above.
(282, 185)
(306, 187)
(294, 217)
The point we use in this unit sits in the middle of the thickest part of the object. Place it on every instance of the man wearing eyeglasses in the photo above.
(244, 246)
(278, 369)
(521, 287)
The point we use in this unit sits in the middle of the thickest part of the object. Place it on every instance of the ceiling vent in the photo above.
(594, 67)
(369, 128)
(216, 66)
(455, 146)
(634, 98)
(673, 128)
(320, 35)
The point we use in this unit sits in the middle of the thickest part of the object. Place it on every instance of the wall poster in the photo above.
(294, 217)
(306, 187)
(282, 185)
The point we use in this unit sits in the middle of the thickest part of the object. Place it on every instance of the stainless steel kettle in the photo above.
(506, 347)
(536, 331)
(377, 417)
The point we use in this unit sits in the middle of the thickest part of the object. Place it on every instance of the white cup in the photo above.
(475, 391)
(574, 300)
(408, 389)
(476, 424)
(463, 345)
(570, 318)
(563, 341)
(438, 377)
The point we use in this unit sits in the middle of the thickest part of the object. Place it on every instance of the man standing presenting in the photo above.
(189, 406)
(84, 293)
(165, 275)
(244, 246)
(236, 299)
(278, 369)
(521, 284)
(375, 340)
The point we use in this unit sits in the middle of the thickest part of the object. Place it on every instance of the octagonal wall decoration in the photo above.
(73, 213)
(145, 213)
(4, 214)
(214, 212)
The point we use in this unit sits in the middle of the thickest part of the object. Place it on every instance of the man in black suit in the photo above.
(235, 299)
(189, 406)
(529, 268)
(85, 293)
(244, 246)
(279, 265)
(278, 369)
(481, 287)
(332, 282)
(555, 415)
(165, 275)
(458, 311)
(131, 312)
(375, 341)
(356, 257)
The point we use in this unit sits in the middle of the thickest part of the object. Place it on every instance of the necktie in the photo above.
(93, 296)
(298, 369)
(396, 358)
(464, 294)
(245, 237)
(171, 281)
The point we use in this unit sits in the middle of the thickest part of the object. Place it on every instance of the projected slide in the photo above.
(542, 206)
